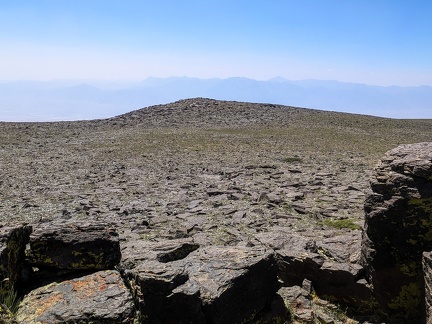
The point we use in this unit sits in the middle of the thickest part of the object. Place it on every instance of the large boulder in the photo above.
(211, 284)
(77, 246)
(101, 297)
(330, 265)
(13, 269)
(398, 228)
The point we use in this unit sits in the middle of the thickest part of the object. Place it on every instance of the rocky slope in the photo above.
(216, 174)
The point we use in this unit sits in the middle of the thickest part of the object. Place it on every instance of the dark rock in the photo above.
(234, 282)
(214, 192)
(153, 281)
(300, 258)
(100, 297)
(342, 248)
(276, 312)
(211, 284)
(398, 228)
(75, 246)
(295, 195)
(344, 284)
(13, 269)
(427, 271)
(177, 253)
(299, 208)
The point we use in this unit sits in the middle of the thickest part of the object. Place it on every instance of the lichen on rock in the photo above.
(75, 245)
(398, 228)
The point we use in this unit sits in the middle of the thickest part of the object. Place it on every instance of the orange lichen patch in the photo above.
(77, 300)
(89, 286)
(102, 287)
(47, 303)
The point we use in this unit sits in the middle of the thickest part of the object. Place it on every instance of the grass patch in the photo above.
(341, 224)
(292, 159)
(11, 301)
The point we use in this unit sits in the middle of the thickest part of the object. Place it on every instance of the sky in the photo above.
(385, 42)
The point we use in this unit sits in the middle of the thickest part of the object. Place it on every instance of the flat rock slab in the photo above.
(74, 246)
(213, 284)
(100, 297)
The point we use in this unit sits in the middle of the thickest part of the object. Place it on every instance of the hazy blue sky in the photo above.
(382, 42)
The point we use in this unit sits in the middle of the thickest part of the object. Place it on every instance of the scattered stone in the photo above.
(300, 208)
(295, 195)
(273, 198)
(238, 216)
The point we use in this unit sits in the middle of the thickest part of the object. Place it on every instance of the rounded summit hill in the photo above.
(202, 112)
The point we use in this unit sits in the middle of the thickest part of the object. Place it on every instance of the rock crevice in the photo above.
(398, 229)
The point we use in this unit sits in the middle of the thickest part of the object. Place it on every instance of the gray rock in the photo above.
(342, 248)
(332, 275)
(13, 270)
(74, 246)
(299, 301)
(427, 273)
(273, 198)
(211, 284)
(100, 297)
(398, 229)
(238, 216)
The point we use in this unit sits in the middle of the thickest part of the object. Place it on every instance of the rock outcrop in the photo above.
(398, 229)
(100, 297)
(58, 277)
(74, 246)
(178, 280)
(329, 265)
(201, 285)
(427, 270)
(13, 268)
(159, 282)
(14, 271)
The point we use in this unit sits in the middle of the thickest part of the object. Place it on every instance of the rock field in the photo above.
(218, 171)
(214, 173)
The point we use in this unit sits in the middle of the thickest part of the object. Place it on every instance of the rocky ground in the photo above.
(218, 173)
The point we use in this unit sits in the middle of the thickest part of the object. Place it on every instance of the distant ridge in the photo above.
(89, 99)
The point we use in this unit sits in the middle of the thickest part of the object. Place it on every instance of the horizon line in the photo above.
(273, 79)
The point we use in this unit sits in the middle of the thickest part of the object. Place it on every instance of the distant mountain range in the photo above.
(88, 99)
